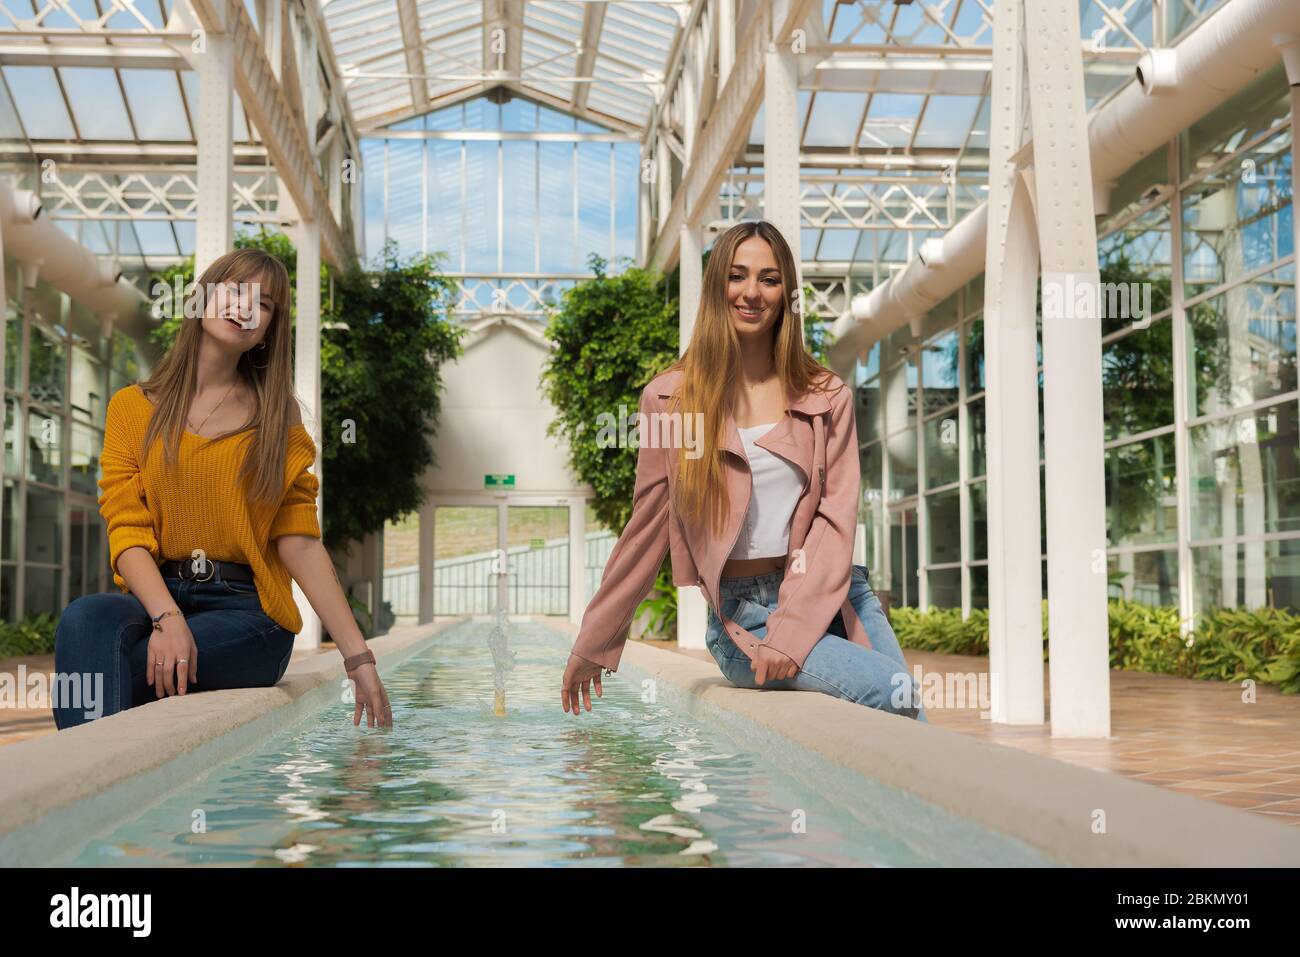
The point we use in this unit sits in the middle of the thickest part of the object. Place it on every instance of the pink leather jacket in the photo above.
(818, 435)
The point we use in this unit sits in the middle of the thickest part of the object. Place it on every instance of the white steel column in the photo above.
(1078, 629)
(692, 609)
(726, 12)
(214, 159)
(426, 552)
(1011, 396)
(577, 558)
(781, 146)
(306, 382)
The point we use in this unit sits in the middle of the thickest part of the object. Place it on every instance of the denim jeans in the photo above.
(876, 677)
(239, 645)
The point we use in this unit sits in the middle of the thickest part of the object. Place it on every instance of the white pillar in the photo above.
(664, 180)
(781, 146)
(215, 156)
(1011, 398)
(577, 558)
(306, 382)
(726, 40)
(1078, 629)
(692, 609)
(426, 563)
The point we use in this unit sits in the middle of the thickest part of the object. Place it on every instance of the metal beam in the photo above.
(593, 21)
(729, 124)
(413, 51)
(268, 108)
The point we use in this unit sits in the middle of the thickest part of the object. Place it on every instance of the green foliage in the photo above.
(661, 607)
(1227, 644)
(381, 385)
(384, 338)
(612, 335)
(34, 635)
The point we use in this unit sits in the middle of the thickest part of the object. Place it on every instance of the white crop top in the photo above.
(777, 486)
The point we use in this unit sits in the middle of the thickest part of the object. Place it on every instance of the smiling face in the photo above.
(238, 314)
(755, 291)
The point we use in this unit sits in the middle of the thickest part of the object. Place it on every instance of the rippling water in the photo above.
(631, 783)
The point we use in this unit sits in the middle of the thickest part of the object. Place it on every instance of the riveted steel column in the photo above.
(1078, 632)
(1011, 397)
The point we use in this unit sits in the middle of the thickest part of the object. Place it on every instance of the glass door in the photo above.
(903, 556)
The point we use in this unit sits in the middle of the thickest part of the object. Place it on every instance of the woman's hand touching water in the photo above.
(577, 680)
(371, 698)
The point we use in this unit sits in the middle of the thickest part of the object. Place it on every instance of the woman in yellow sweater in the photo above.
(211, 510)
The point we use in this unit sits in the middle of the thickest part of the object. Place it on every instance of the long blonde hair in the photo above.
(711, 370)
(173, 382)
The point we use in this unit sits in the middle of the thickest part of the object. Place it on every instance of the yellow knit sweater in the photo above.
(198, 504)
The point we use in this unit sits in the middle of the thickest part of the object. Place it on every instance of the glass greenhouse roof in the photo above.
(890, 92)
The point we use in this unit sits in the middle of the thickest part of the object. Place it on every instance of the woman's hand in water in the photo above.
(371, 697)
(577, 679)
(769, 664)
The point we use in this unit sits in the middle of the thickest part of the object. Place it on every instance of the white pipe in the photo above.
(49, 254)
(1236, 44)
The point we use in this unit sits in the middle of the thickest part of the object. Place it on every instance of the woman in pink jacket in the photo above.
(747, 471)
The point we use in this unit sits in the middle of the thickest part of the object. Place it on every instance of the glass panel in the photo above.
(96, 558)
(871, 463)
(868, 413)
(9, 522)
(8, 592)
(13, 441)
(13, 347)
(903, 558)
(1141, 500)
(975, 428)
(979, 521)
(975, 357)
(902, 464)
(44, 526)
(76, 552)
(465, 539)
(1245, 477)
(939, 359)
(944, 529)
(47, 368)
(537, 543)
(1248, 575)
(945, 588)
(1137, 381)
(44, 448)
(87, 388)
(942, 450)
(1135, 268)
(41, 591)
(1150, 578)
(979, 586)
(85, 472)
(900, 388)
(1239, 217)
(1243, 343)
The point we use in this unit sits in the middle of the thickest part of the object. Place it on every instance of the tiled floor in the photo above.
(1198, 737)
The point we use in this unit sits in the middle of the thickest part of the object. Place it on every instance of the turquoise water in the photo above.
(631, 783)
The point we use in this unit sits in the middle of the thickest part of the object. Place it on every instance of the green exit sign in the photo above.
(498, 481)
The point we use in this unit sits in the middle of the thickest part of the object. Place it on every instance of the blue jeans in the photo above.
(239, 645)
(876, 677)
